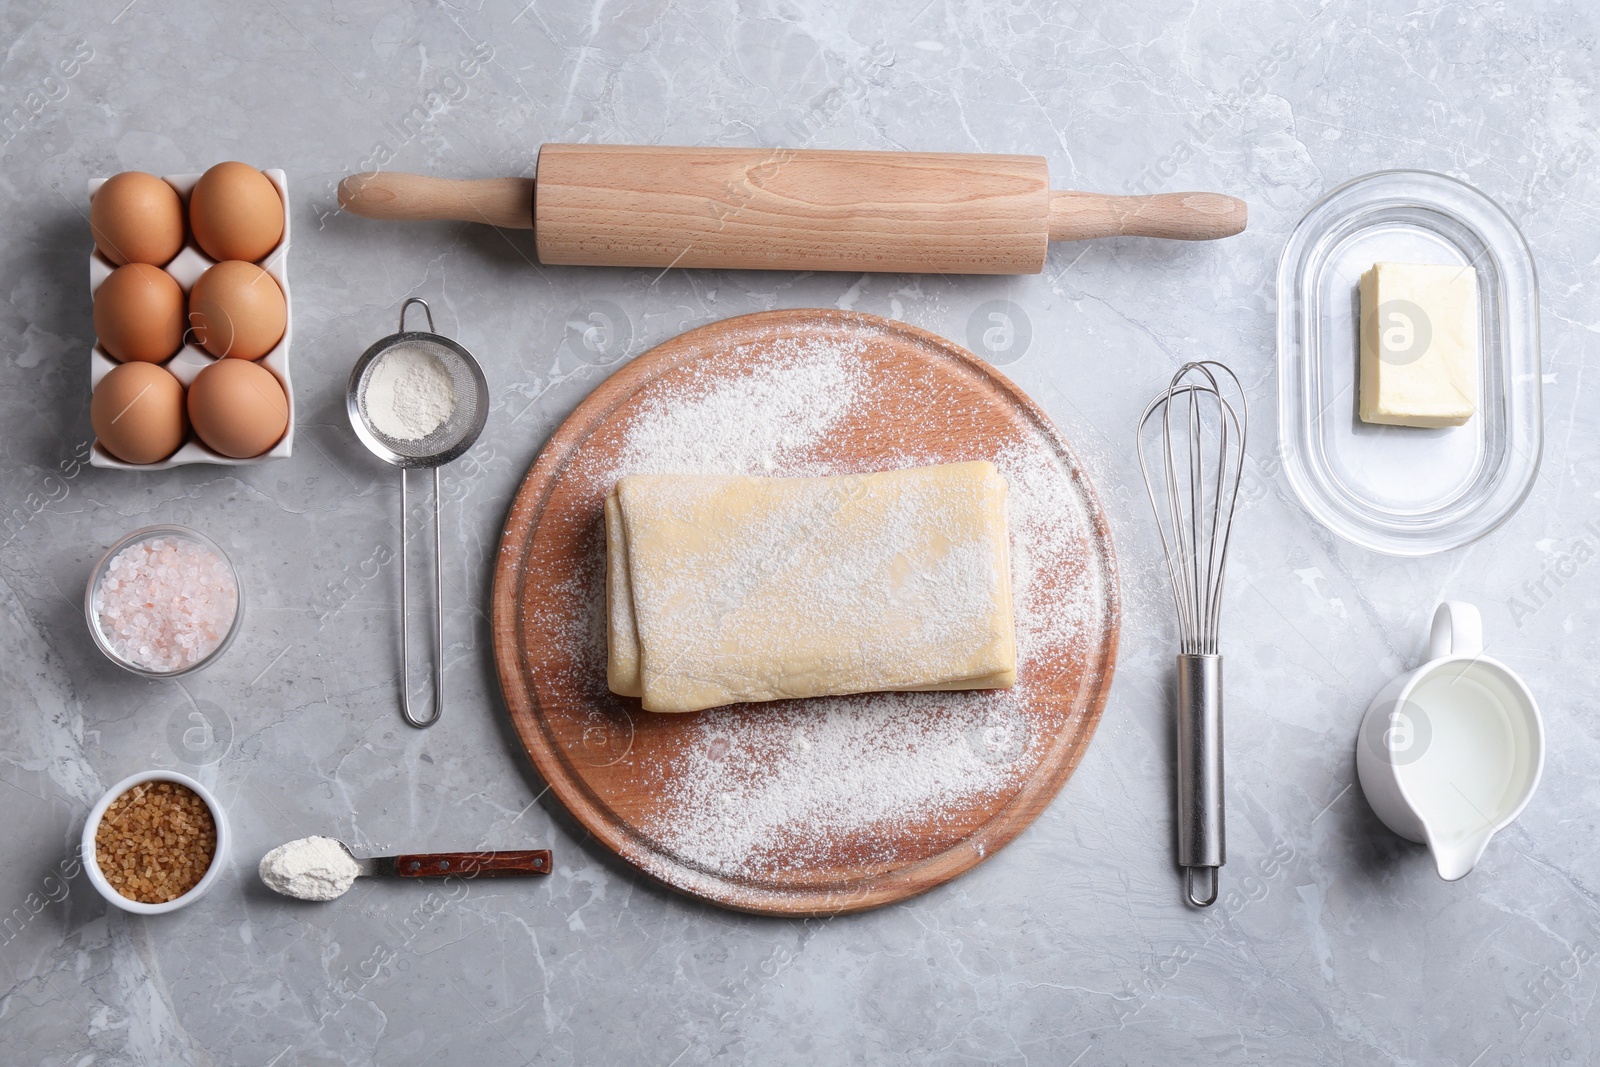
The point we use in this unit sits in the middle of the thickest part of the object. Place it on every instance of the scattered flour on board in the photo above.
(749, 425)
(789, 786)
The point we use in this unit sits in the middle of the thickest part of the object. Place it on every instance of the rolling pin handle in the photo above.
(1175, 216)
(503, 202)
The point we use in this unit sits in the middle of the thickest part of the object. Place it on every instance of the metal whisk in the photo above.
(1203, 420)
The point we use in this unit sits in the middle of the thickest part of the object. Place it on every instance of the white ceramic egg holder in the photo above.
(191, 359)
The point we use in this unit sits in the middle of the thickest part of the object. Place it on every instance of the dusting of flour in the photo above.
(748, 425)
(791, 786)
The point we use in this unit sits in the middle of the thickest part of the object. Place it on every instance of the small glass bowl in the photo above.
(103, 567)
(219, 855)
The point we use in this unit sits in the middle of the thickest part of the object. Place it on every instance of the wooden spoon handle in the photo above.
(473, 864)
(503, 202)
(1176, 216)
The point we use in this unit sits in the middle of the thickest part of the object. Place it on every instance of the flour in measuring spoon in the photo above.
(312, 868)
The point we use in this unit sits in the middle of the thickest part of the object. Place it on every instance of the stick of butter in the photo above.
(1419, 344)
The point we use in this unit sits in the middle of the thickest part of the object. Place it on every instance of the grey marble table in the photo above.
(1335, 943)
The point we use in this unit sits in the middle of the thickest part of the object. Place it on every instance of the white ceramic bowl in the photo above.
(219, 856)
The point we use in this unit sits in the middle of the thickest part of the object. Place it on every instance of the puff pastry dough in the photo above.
(723, 589)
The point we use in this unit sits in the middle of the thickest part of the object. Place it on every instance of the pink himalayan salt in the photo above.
(166, 603)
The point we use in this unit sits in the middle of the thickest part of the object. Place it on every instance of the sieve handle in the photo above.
(438, 603)
(426, 310)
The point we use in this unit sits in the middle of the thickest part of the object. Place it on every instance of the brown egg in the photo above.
(238, 408)
(138, 314)
(137, 413)
(237, 309)
(136, 218)
(236, 213)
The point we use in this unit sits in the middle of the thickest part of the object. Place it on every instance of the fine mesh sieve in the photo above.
(469, 410)
(457, 433)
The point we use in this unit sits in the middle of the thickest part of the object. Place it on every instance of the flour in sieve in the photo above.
(796, 785)
(408, 393)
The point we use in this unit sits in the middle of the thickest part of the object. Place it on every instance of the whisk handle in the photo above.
(1200, 829)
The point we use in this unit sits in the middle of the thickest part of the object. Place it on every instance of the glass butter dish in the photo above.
(1398, 489)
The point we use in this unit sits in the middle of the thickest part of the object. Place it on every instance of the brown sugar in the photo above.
(155, 842)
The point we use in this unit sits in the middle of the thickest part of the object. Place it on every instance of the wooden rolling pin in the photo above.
(782, 209)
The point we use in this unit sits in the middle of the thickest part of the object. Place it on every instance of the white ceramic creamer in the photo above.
(1450, 754)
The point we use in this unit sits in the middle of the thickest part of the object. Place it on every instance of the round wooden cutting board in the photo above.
(822, 806)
